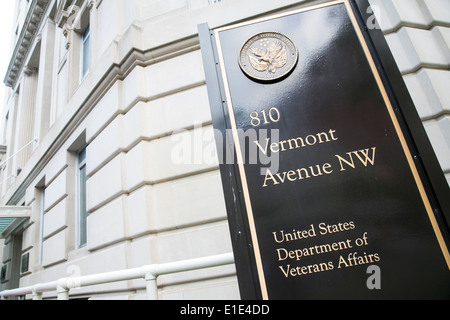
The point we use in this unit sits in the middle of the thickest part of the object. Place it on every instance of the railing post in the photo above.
(37, 295)
(62, 290)
(152, 286)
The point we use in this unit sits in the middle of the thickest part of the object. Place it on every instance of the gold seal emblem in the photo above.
(268, 56)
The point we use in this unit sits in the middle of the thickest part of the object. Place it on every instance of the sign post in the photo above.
(326, 198)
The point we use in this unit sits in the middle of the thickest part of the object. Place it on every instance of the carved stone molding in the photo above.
(25, 41)
(28, 70)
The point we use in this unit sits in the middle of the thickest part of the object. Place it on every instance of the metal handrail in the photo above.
(19, 151)
(149, 273)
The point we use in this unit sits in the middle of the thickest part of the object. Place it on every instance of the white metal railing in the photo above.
(19, 151)
(149, 273)
(4, 163)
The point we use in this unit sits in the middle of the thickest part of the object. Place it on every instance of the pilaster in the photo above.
(45, 80)
(25, 120)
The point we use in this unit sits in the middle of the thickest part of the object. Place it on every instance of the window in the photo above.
(5, 128)
(82, 212)
(24, 264)
(85, 45)
(41, 192)
(3, 274)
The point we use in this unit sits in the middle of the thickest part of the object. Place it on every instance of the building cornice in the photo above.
(29, 32)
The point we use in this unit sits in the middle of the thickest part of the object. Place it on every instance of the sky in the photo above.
(6, 21)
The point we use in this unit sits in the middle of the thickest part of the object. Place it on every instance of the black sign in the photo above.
(325, 195)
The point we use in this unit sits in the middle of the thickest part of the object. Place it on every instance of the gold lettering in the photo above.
(269, 176)
(307, 176)
(297, 143)
(263, 150)
(364, 159)
(290, 174)
(275, 147)
(327, 168)
(366, 156)
(298, 174)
